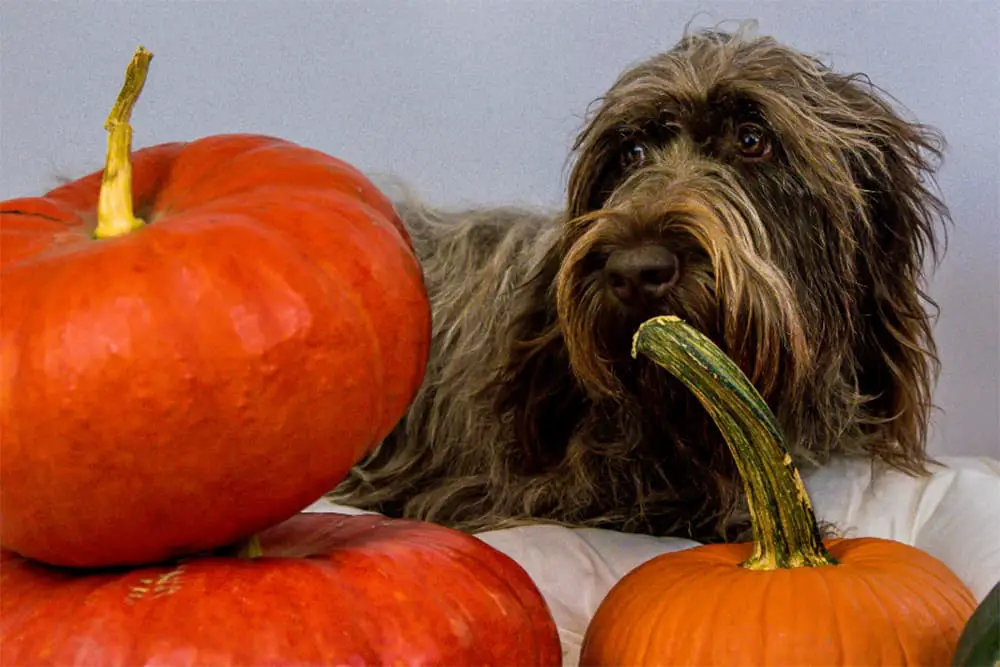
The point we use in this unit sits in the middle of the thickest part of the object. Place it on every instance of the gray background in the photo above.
(478, 102)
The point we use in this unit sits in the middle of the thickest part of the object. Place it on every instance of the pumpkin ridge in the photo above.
(452, 604)
(13, 367)
(88, 593)
(24, 347)
(346, 214)
(201, 160)
(335, 281)
(409, 271)
(43, 216)
(272, 237)
(282, 169)
(724, 591)
(44, 255)
(932, 570)
(764, 603)
(680, 588)
(519, 593)
(489, 579)
(24, 235)
(348, 590)
(112, 468)
(216, 169)
(834, 610)
(930, 597)
(373, 557)
(938, 577)
(332, 195)
(863, 577)
(926, 604)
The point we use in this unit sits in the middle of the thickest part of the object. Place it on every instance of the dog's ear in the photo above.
(898, 237)
(596, 164)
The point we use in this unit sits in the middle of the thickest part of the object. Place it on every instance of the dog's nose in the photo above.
(641, 274)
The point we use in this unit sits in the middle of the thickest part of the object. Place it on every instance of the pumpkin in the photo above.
(979, 644)
(789, 598)
(181, 378)
(319, 589)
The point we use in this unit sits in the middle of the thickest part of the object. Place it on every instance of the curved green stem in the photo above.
(250, 549)
(785, 531)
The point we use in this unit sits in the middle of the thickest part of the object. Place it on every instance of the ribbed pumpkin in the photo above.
(322, 589)
(788, 598)
(179, 380)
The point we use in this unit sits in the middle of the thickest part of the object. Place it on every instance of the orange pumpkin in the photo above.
(322, 589)
(181, 380)
(788, 598)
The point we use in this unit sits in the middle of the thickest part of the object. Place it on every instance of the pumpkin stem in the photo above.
(114, 206)
(786, 534)
(250, 549)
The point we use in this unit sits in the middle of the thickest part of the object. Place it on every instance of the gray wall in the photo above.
(477, 102)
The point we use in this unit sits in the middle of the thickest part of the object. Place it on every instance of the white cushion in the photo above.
(953, 514)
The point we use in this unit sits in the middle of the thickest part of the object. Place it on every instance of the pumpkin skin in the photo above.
(701, 607)
(210, 373)
(327, 590)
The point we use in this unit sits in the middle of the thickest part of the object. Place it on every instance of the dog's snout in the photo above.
(641, 274)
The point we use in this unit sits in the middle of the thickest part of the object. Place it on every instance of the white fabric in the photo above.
(954, 515)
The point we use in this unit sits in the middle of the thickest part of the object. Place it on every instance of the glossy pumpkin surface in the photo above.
(326, 590)
(210, 373)
(701, 607)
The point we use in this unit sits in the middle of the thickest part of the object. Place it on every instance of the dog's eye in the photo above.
(633, 155)
(752, 141)
(595, 261)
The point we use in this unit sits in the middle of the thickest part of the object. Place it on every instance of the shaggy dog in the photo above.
(781, 208)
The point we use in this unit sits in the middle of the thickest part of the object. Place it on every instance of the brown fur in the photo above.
(805, 264)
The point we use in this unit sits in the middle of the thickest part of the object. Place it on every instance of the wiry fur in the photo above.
(806, 265)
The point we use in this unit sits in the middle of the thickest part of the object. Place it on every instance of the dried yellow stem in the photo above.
(115, 216)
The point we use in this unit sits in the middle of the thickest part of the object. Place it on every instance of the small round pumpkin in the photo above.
(181, 378)
(788, 598)
(320, 589)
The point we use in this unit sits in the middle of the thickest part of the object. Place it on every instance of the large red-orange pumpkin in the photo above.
(788, 598)
(184, 383)
(325, 590)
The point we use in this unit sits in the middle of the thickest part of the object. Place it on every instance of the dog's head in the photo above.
(778, 206)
